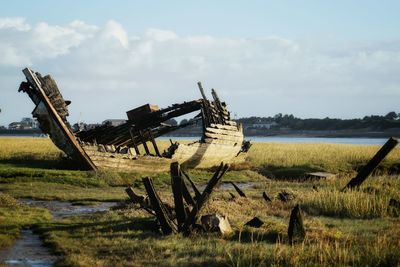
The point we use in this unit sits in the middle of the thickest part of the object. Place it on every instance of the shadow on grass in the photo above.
(253, 235)
(33, 162)
(287, 173)
(139, 228)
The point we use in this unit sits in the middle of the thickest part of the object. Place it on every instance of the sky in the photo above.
(312, 59)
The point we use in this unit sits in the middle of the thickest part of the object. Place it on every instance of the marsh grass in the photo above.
(352, 228)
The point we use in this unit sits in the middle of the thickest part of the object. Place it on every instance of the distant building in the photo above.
(114, 122)
(24, 124)
(267, 125)
(15, 126)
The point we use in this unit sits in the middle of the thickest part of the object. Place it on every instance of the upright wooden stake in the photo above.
(167, 225)
(176, 183)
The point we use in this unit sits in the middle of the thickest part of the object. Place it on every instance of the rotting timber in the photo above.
(119, 147)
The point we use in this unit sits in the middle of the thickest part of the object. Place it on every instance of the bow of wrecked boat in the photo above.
(126, 147)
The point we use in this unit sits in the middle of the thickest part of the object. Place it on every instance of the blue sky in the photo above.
(309, 58)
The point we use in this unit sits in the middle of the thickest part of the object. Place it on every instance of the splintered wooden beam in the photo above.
(176, 183)
(201, 90)
(138, 200)
(196, 191)
(167, 225)
(238, 190)
(372, 164)
(192, 217)
(186, 194)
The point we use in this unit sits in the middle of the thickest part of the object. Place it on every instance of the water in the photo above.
(29, 250)
(290, 139)
(60, 209)
(332, 140)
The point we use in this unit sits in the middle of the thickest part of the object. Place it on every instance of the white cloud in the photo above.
(107, 66)
(16, 23)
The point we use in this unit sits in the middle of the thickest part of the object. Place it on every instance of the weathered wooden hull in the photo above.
(219, 143)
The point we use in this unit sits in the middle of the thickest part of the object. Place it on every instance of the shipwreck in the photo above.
(132, 145)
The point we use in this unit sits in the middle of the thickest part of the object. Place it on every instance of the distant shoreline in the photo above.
(272, 133)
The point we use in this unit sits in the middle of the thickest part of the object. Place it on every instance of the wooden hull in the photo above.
(220, 142)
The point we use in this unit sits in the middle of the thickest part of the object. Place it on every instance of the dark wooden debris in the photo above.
(177, 185)
(266, 197)
(141, 200)
(232, 195)
(255, 222)
(296, 231)
(166, 223)
(186, 216)
(372, 164)
(238, 190)
(194, 213)
(285, 196)
(194, 187)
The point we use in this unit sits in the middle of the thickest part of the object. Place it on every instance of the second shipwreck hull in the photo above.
(131, 146)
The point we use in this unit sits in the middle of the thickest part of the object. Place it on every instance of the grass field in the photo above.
(354, 228)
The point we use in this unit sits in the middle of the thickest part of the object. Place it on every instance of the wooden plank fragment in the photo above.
(167, 225)
(196, 191)
(176, 184)
(372, 164)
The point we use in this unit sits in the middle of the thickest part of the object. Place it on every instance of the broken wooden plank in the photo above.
(138, 200)
(196, 191)
(192, 217)
(372, 164)
(176, 184)
(238, 190)
(167, 225)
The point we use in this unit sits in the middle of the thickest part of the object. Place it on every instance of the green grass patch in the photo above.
(14, 216)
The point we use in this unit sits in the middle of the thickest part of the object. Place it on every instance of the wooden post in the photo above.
(144, 142)
(133, 143)
(154, 143)
(167, 225)
(296, 231)
(372, 164)
(176, 183)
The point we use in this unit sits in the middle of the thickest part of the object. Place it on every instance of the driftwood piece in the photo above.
(176, 183)
(167, 225)
(192, 217)
(238, 190)
(372, 164)
(232, 195)
(266, 197)
(296, 231)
